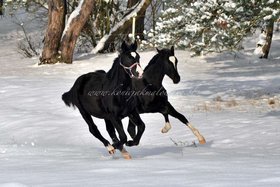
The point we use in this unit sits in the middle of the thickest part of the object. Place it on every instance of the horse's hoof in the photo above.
(202, 140)
(126, 154)
(163, 130)
(131, 143)
(166, 128)
(111, 149)
(117, 145)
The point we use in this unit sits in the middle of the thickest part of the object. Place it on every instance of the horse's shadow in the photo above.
(165, 151)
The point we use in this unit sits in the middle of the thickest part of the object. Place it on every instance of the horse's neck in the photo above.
(118, 76)
(124, 79)
(154, 74)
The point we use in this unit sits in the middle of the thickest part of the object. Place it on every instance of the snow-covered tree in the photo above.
(269, 14)
(59, 45)
(122, 26)
(210, 25)
(60, 38)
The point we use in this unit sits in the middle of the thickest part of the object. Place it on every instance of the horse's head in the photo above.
(129, 60)
(170, 64)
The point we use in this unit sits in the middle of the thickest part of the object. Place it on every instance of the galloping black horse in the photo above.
(164, 63)
(156, 100)
(98, 94)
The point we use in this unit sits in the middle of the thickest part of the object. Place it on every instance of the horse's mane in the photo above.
(113, 75)
(152, 61)
(113, 69)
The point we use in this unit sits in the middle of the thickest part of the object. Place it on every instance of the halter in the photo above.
(128, 70)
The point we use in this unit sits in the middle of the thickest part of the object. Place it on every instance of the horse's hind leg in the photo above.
(95, 132)
(182, 118)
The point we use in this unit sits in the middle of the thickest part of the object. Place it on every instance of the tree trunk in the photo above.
(140, 20)
(73, 28)
(122, 26)
(56, 22)
(1, 8)
(268, 39)
(277, 25)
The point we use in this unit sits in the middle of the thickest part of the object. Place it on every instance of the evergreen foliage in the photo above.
(211, 25)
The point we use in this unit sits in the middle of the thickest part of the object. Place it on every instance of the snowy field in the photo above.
(232, 98)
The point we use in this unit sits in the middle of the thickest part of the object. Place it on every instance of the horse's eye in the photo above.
(133, 54)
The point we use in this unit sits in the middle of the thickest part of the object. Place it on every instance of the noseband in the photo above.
(128, 70)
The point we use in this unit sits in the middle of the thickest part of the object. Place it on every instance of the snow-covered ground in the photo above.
(233, 99)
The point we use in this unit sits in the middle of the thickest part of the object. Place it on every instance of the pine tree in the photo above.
(211, 25)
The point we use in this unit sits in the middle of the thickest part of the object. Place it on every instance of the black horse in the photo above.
(99, 94)
(154, 98)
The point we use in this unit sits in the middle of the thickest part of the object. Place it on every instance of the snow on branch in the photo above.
(72, 16)
(142, 5)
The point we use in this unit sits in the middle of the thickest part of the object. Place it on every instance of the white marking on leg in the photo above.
(166, 128)
(133, 54)
(110, 149)
(125, 154)
(173, 60)
(201, 139)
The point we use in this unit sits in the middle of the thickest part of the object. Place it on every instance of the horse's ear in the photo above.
(172, 50)
(124, 47)
(158, 50)
(134, 46)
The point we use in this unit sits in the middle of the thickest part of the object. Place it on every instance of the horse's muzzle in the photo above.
(176, 80)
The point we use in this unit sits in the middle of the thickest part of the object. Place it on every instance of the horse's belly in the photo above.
(152, 104)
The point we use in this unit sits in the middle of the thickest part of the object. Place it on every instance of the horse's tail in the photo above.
(67, 97)
(71, 98)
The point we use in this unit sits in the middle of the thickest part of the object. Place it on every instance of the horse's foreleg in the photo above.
(111, 131)
(136, 120)
(123, 138)
(167, 125)
(131, 129)
(184, 120)
(200, 138)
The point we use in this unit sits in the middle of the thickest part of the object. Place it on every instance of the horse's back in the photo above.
(92, 80)
(100, 71)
